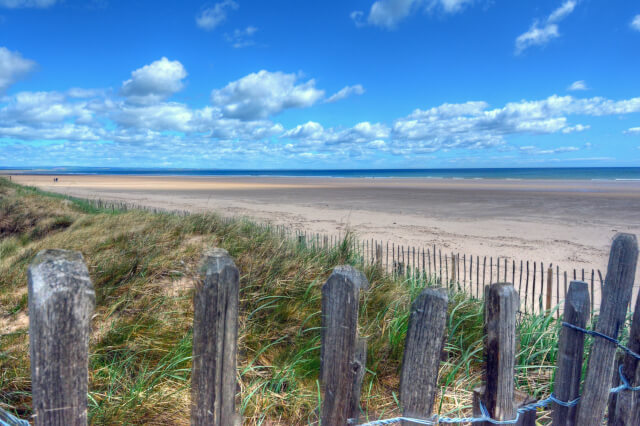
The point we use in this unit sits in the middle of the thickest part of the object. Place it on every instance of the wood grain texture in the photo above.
(615, 299)
(339, 367)
(627, 404)
(61, 303)
(570, 349)
(421, 359)
(500, 316)
(215, 336)
(359, 368)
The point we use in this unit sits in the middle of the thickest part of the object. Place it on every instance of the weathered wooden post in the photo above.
(379, 255)
(453, 268)
(615, 299)
(498, 395)
(627, 404)
(570, 349)
(61, 303)
(549, 288)
(341, 363)
(421, 359)
(215, 337)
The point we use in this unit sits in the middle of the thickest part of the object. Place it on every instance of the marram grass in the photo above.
(143, 266)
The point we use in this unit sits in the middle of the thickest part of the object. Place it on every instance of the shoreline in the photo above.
(567, 223)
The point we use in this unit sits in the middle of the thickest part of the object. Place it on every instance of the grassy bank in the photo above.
(143, 266)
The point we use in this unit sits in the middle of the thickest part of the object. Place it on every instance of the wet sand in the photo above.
(567, 223)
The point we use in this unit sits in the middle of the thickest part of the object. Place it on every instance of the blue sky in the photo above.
(305, 84)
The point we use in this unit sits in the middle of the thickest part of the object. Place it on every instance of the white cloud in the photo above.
(211, 17)
(562, 12)
(388, 13)
(346, 92)
(576, 128)
(263, 94)
(15, 4)
(578, 85)
(12, 67)
(77, 92)
(541, 33)
(241, 37)
(473, 125)
(635, 23)
(154, 82)
(632, 131)
(237, 126)
(532, 150)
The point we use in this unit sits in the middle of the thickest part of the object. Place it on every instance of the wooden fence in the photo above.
(540, 287)
(61, 303)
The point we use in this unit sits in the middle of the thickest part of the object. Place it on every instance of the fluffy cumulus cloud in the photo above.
(542, 32)
(154, 82)
(263, 94)
(578, 85)
(15, 4)
(388, 13)
(209, 18)
(474, 125)
(345, 92)
(12, 67)
(140, 124)
(635, 22)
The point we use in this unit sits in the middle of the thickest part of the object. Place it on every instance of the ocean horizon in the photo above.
(555, 173)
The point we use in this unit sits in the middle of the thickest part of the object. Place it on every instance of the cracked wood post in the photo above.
(627, 403)
(615, 299)
(61, 303)
(341, 360)
(421, 359)
(215, 337)
(498, 394)
(570, 349)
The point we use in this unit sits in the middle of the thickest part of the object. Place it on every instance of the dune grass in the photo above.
(143, 266)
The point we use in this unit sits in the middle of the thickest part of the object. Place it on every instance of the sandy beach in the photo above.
(567, 223)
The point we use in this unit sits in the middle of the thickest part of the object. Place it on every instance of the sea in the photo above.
(556, 173)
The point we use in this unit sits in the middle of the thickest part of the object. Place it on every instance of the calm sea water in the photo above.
(581, 173)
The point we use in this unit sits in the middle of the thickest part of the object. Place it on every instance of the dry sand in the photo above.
(567, 223)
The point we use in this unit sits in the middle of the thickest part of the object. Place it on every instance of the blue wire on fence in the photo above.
(485, 417)
(8, 419)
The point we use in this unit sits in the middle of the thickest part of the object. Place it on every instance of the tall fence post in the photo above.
(421, 358)
(627, 404)
(570, 349)
(215, 337)
(498, 395)
(613, 309)
(61, 303)
(339, 365)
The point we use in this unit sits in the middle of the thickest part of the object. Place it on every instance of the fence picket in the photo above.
(339, 367)
(570, 351)
(498, 395)
(421, 358)
(627, 404)
(615, 299)
(215, 336)
(61, 303)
